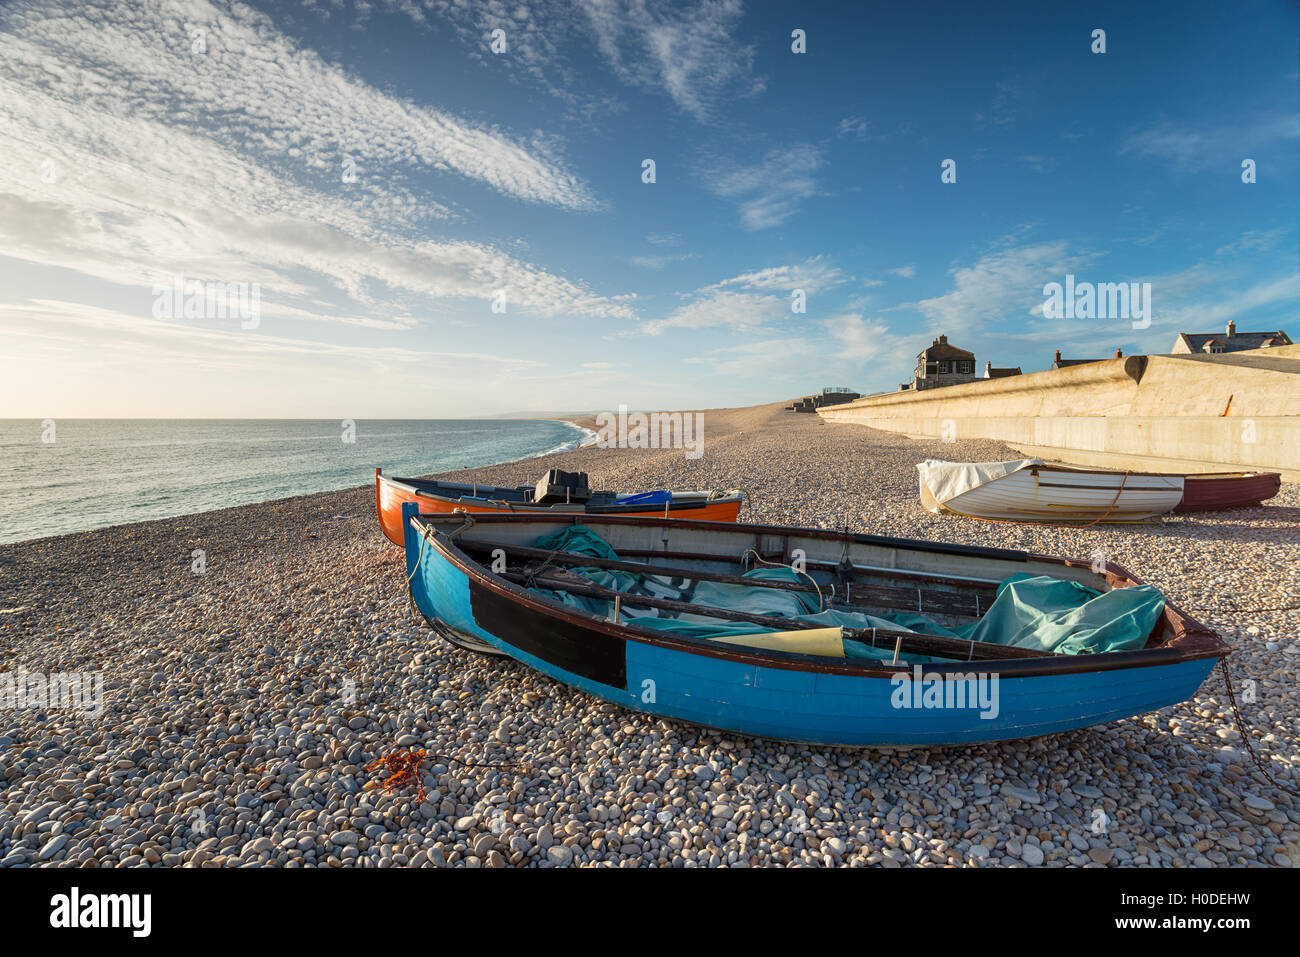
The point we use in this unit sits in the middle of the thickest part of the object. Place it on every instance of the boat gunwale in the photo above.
(1194, 642)
(403, 483)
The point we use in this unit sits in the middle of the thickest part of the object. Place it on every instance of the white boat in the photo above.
(1029, 490)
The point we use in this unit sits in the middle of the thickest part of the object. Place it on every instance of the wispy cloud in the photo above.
(812, 275)
(740, 311)
(854, 126)
(690, 52)
(861, 340)
(1192, 148)
(752, 301)
(1002, 286)
(1255, 240)
(770, 191)
(1005, 105)
(195, 139)
(657, 263)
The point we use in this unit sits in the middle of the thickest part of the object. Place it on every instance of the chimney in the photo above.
(1119, 354)
(1058, 355)
(943, 340)
(1232, 328)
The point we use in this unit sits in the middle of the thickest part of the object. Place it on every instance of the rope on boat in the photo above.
(1245, 734)
(744, 557)
(1006, 521)
(748, 502)
(410, 592)
(469, 523)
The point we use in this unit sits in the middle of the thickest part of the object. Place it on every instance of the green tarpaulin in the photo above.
(1038, 612)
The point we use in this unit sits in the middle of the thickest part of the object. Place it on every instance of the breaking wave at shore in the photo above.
(587, 438)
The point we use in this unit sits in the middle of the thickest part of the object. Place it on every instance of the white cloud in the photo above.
(752, 301)
(657, 262)
(812, 275)
(738, 311)
(687, 51)
(772, 190)
(1002, 286)
(867, 340)
(263, 92)
(691, 53)
(854, 126)
(1255, 240)
(226, 164)
(1194, 148)
(904, 272)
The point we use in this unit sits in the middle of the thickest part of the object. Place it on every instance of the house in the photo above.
(941, 364)
(1059, 363)
(1231, 341)
(992, 373)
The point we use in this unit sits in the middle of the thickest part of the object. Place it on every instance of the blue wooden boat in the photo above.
(483, 583)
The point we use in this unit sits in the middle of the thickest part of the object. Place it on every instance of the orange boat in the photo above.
(557, 493)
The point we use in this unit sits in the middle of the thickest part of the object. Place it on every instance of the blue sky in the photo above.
(206, 140)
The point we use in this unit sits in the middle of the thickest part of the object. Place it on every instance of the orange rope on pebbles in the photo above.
(403, 766)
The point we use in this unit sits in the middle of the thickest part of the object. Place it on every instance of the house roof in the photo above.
(1003, 373)
(942, 350)
(1237, 342)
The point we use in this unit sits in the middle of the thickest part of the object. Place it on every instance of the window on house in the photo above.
(967, 366)
(943, 365)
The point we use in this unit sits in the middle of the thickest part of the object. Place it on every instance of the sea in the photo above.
(71, 475)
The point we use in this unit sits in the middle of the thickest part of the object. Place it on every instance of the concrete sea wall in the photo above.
(1150, 413)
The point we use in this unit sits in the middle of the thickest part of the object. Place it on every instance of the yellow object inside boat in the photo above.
(827, 642)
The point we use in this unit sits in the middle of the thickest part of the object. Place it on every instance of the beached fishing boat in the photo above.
(810, 635)
(1030, 490)
(1219, 490)
(564, 492)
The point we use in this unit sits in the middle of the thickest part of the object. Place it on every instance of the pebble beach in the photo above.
(242, 704)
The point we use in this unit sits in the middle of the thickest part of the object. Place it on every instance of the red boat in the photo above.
(1219, 490)
(558, 493)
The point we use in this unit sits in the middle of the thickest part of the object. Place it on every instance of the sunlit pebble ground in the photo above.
(224, 696)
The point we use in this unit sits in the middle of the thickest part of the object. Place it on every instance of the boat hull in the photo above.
(1046, 494)
(391, 495)
(783, 699)
(1203, 493)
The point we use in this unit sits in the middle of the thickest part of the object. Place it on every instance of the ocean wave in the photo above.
(586, 438)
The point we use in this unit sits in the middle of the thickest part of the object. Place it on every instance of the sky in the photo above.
(441, 209)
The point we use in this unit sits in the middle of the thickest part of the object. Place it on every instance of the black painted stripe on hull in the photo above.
(583, 651)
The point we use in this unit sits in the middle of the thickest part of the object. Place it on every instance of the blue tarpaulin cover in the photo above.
(1031, 611)
(644, 498)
